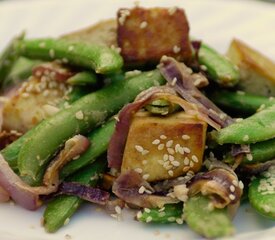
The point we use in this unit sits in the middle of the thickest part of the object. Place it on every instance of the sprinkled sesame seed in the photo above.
(232, 188)
(179, 221)
(139, 214)
(51, 53)
(176, 49)
(171, 151)
(139, 148)
(239, 119)
(141, 190)
(163, 137)
(171, 173)
(185, 137)
(66, 221)
(165, 157)
(235, 183)
(191, 164)
(175, 163)
(249, 156)
(171, 158)
(203, 67)
(161, 209)
(171, 219)
(172, 10)
(161, 146)
(144, 162)
(79, 115)
(169, 143)
(147, 210)
(245, 138)
(144, 152)
(241, 186)
(181, 150)
(145, 176)
(232, 197)
(138, 170)
(149, 219)
(118, 209)
(177, 147)
(186, 161)
(174, 81)
(195, 159)
(156, 142)
(186, 149)
(143, 24)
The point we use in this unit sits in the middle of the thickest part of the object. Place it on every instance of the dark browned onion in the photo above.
(127, 186)
(27, 196)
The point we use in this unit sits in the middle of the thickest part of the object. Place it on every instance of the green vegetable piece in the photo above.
(61, 208)
(258, 127)
(171, 213)
(205, 220)
(220, 69)
(83, 115)
(99, 139)
(240, 102)
(99, 58)
(83, 78)
(261, 193)
(8, 57)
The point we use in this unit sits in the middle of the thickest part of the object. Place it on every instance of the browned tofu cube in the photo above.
(145, 35)
(164, 147)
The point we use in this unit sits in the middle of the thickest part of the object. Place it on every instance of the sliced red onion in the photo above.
(118, 140)
(221, 185)
(240, 149)
(256, 168)
(91, 194)
(184, 86)
(27, 196)
(52, 70)
(128, 188)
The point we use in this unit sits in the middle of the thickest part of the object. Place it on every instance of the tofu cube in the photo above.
(161, 148)
(257, 71)
(145, 35)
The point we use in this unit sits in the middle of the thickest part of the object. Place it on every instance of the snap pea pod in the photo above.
(99, 139)
(240, 102)
(261, 193)
(219, 68)
(171, 213)
(205, 220)
(61, 208)
(8, 57)
(256, 128)
(83, 78)
(83, 115)
(99, 58)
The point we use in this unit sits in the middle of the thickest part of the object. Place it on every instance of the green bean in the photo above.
(219, 68)
(99, 139)
(170, 213)
(101, 59)
(83, 115)
(240, 102)
(8, 57)
(84, 78)
(205, 220)
(261, 193)
(258, 127)
(61, 208)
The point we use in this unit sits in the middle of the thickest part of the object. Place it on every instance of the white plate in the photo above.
(215, 21)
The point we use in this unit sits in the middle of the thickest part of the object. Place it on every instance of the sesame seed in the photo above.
(147, 210)
(145, 176)
(232, 188)
(118, 209)
(186, 161)
(171, 219)
(177, 147)
(179, 221)
(239, 119)
(185, 137)
(161, 162)
(139, 214)
(171, 158)
(203, 67)
(161, 209)
(176, 49)
(245, 138)
(51, 53)
(168, 167)
(240, 92)
(162, 214)
(161, 146)
(266, 208)
(172, 10)
(241, 186)
(138, 170)
(79, 115)
(165, 157)
(163, 137)
(139, 148)
(66, 221)
(169, 143)
(149, 219)
(156, 142)
(171, 173)
(175, 163)
(249, 157)
(171, 151)
(232, 197)
(174, 81)
(186, 149)
(235, 183)
(181, 150)
(195, 159)
(71, 48)
(143, 24)
(144, 152)
(191, 164)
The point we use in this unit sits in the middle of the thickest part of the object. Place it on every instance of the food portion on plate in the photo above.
(135, 113)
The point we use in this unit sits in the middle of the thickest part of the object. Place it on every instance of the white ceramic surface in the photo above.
(215, 21)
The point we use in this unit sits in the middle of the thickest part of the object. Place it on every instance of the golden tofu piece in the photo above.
(161, 148)
(257, 71)
(145, 35)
